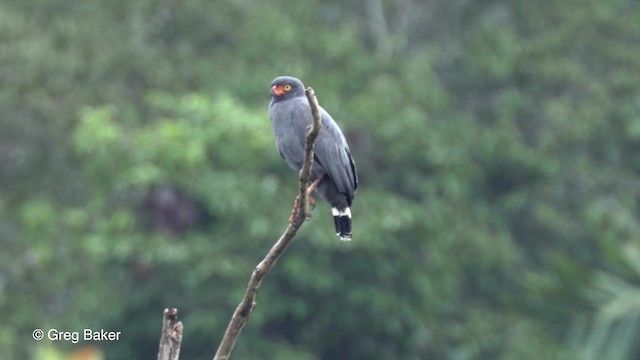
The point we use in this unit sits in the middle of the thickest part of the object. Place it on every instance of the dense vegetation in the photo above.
(497, 144)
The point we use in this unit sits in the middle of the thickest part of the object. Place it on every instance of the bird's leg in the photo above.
(296, 207)
(312, 203)
(310, 189)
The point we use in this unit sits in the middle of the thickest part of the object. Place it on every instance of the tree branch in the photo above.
(171, 336)
(248, 303)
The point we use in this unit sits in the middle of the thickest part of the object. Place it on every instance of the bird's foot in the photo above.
(308, 215)
(296, 207)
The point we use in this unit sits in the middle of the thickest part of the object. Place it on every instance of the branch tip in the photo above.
(171, 337)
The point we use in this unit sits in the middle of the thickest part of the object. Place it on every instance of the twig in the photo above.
(248, 303)
(171, 336)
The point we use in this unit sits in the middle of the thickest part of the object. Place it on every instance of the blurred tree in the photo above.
(496, 143)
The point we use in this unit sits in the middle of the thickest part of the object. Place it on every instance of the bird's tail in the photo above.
(342, 221)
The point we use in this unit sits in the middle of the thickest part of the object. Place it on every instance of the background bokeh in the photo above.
(497, 143)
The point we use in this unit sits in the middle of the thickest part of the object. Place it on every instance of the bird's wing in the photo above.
(332, 152)
(291, 121)
(287, 120)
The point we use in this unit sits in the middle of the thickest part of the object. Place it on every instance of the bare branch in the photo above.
(248, 303)
(171, 336)
(309, 142)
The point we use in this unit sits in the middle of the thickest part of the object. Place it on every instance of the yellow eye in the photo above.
(287, 87)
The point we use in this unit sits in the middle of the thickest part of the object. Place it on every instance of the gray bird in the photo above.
(333, 173)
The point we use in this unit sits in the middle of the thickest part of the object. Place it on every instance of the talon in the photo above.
(292, 218)
(312, 205)
(308, 216)
(296, 206)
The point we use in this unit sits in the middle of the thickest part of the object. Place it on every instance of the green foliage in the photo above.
(496, 144)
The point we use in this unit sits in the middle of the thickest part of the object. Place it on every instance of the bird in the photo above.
(333, 174)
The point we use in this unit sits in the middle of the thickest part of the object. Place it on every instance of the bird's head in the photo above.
(286, 87)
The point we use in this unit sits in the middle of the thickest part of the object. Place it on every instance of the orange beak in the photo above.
(277, 90)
